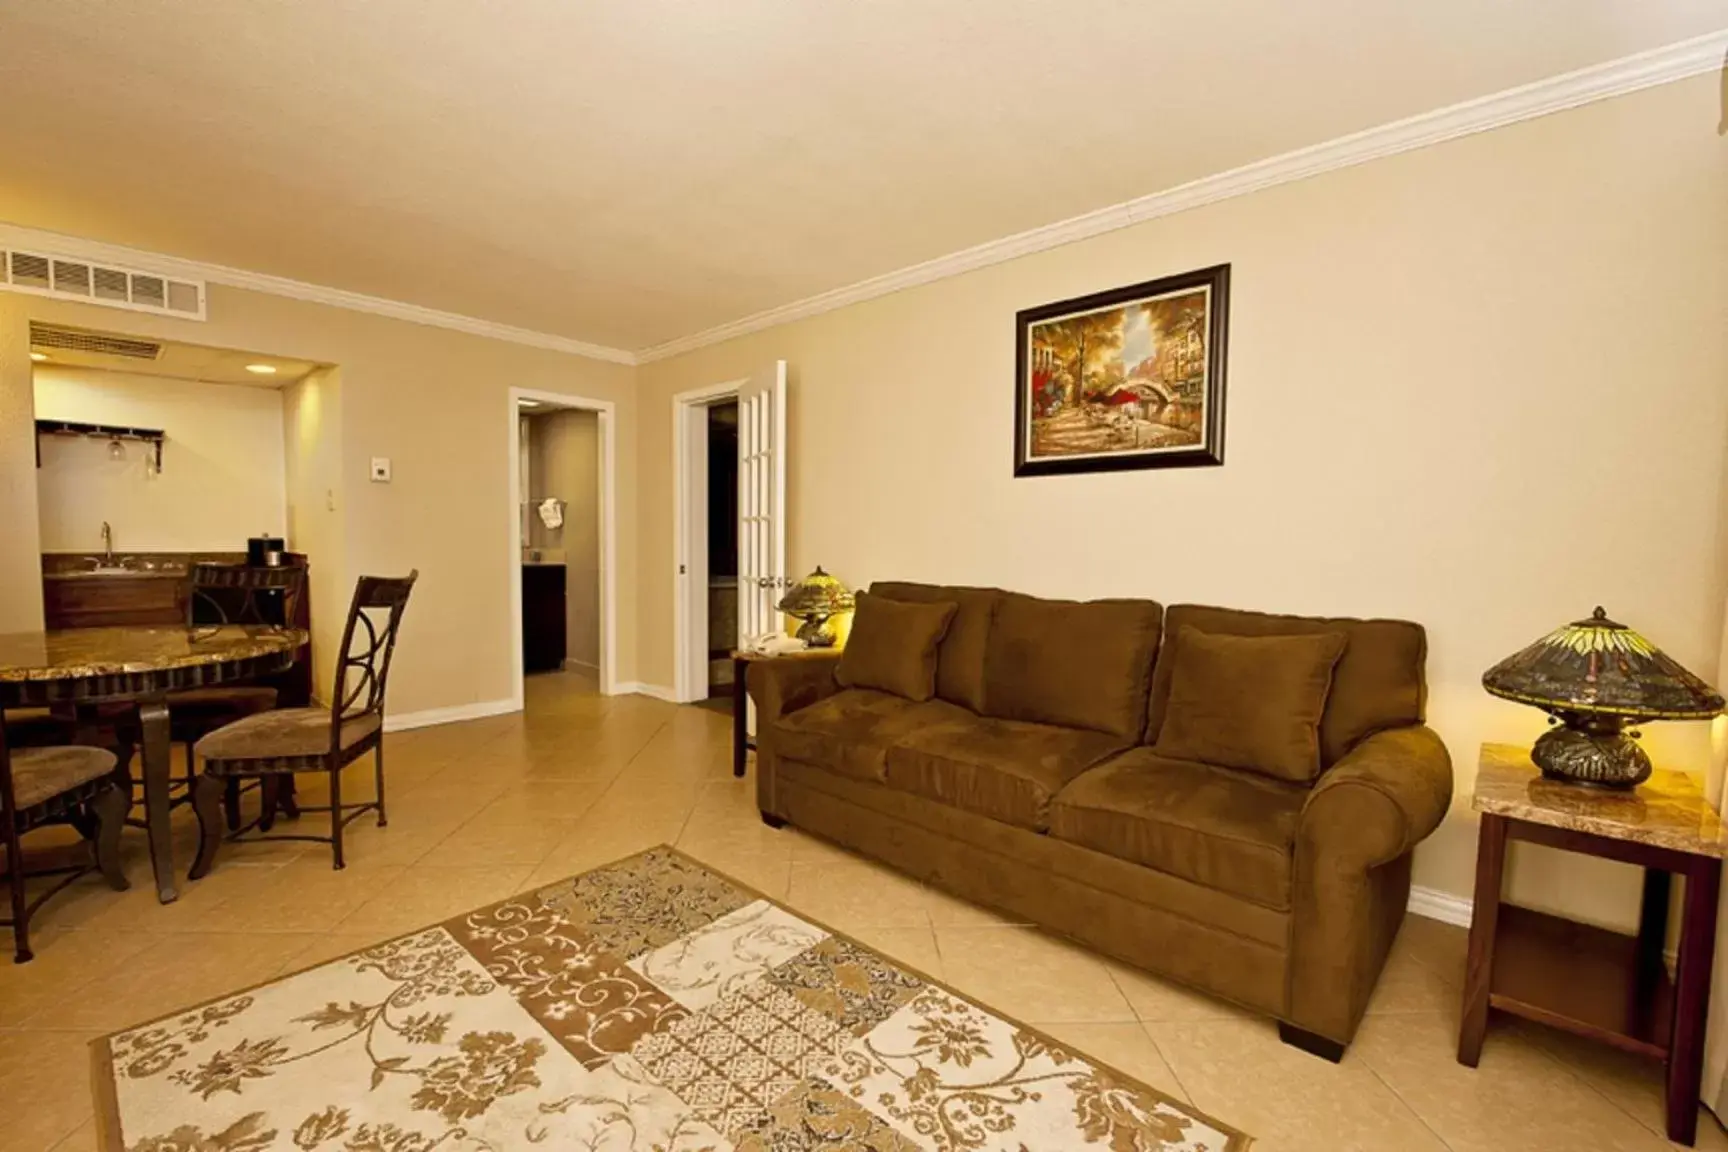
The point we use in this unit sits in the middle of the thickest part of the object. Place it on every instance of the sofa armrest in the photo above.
(1352, 872)
(784, 684)
(1380, 800)
(781, 685)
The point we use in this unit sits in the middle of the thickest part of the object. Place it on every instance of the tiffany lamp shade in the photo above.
(1594, 677)
(815, 600)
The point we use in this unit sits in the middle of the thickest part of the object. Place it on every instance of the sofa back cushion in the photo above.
(1077, 664)
(960, 661)
(892, 646)
(1378, 683)
(1248, 702)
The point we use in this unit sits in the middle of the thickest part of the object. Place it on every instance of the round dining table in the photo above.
(79, 668)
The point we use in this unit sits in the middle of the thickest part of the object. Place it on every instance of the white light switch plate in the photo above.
(381, 469)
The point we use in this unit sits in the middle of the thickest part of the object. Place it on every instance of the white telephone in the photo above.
(774, 644)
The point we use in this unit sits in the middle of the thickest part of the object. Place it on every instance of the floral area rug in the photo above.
(647, 1006)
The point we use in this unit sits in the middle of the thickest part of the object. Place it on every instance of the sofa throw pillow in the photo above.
(960, 660)
(1075, 664)
(1249, 702)
(892, 646)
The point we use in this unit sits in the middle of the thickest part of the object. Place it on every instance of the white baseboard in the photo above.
(455, 712)
(658, 691)
(1441, 906)
(582, 666)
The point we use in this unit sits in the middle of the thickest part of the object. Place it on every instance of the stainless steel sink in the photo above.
(142, 570)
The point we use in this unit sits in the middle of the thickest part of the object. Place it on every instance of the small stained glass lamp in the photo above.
(1593, 677)
(815, 600)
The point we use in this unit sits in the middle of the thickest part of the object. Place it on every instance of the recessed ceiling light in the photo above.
(527, 403)
(38, 356)
(262, 369)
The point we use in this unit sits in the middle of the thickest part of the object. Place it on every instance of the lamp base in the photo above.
(817, 632)
(1591, 749)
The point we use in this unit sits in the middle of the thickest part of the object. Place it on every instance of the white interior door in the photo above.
(761, 504)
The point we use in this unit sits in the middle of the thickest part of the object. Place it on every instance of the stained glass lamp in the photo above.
(815, 600)
(1593, 677)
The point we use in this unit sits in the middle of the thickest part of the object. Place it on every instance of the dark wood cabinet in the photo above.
(543, 619)
(95, 601)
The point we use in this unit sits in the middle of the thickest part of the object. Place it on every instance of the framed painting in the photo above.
(1130, 378)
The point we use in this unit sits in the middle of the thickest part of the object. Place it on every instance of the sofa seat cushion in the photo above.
(1228, 830)
(850, 731)
(1008, 770)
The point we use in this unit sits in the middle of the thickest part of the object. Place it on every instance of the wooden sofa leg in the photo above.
(772, 820)
(1310, 1043)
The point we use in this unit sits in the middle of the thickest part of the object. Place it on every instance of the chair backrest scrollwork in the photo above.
(223, 594)
(368, 643)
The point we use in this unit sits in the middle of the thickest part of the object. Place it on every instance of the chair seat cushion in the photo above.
(40, 774)
(283, 734)
(849, 733)
(1227, 830)
(1008, 770)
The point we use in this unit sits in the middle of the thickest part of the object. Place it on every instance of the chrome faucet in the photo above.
(107, 545)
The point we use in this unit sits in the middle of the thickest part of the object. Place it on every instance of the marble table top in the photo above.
(1668, 810)
(81, 653)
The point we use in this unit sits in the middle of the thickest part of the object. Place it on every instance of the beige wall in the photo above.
(222, 469)
(312, 451)
(1483, 386)
(436, 402)
(20, 552)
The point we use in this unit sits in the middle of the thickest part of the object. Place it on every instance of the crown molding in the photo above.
(60, 244)
(1555, 94)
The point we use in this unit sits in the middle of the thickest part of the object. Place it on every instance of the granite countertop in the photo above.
(82, 653)
(1668, 810)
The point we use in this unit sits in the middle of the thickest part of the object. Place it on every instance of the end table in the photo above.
(741, 660)
(1586, 980)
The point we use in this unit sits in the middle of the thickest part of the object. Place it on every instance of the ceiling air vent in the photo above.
(78, 340)
(68, 277)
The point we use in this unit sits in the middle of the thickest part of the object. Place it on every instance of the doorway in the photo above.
(562, 543)
(705, 425)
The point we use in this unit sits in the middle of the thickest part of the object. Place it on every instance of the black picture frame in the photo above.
(1209, 451)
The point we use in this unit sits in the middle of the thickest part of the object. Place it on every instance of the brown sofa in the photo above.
(1029, 782)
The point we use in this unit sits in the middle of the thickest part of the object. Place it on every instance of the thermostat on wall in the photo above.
(381, 469)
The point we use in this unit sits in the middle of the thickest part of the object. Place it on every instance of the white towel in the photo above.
(552, 512)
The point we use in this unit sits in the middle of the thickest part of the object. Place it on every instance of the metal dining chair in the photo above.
(223, 594)
(273, 745)
(57, 784)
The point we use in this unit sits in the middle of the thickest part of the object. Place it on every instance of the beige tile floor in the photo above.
(487, 808)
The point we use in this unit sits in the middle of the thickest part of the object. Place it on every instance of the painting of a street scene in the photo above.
(1108, 382)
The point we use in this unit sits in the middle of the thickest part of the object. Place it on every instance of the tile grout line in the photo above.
(1408, 1107)
(1542, 1052)
(1187, 1095)
(1147, 1032)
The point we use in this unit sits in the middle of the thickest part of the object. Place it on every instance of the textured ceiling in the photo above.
(630, 172)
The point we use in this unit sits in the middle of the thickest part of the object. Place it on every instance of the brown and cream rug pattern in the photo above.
(647, 1006)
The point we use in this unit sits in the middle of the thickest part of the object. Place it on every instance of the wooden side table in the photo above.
(742, 745)
(1586, 980)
